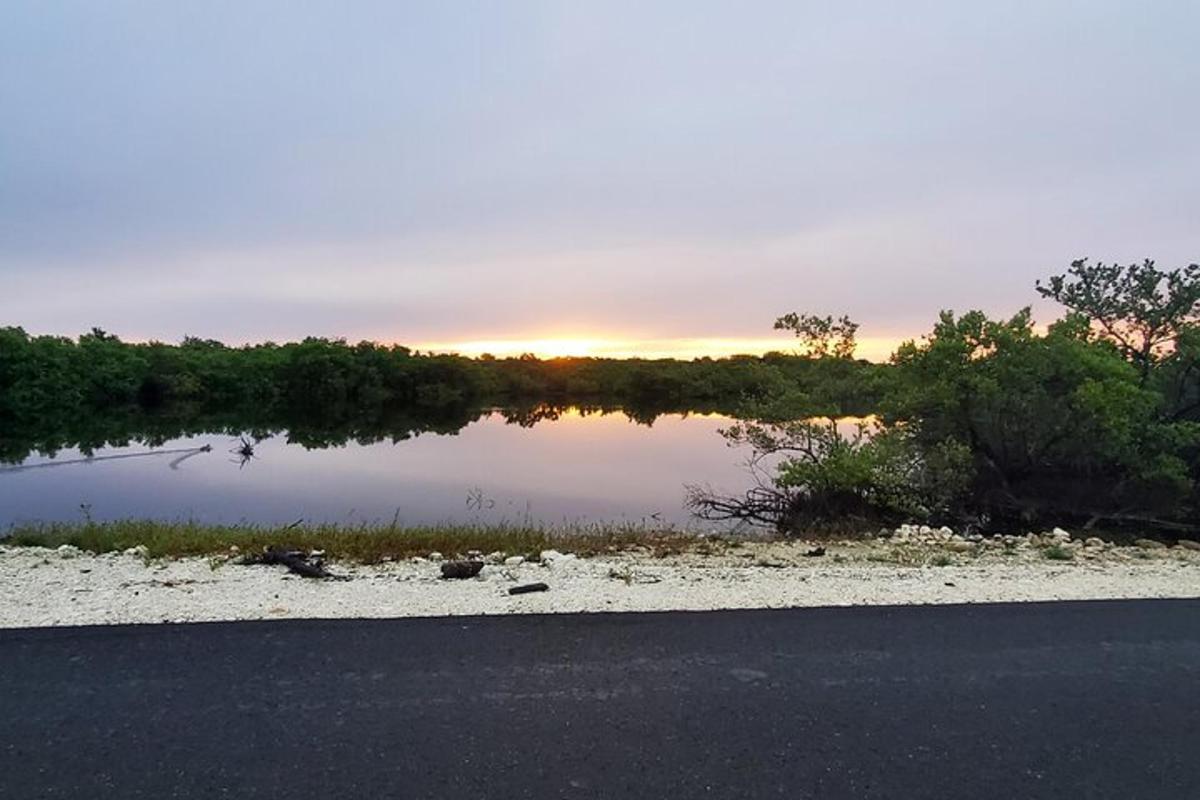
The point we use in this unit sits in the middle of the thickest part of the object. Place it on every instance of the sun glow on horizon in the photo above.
(873, 349)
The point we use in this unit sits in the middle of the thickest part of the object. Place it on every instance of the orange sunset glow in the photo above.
(599, 346)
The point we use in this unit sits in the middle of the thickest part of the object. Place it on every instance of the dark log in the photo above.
(529, 587)
(461, 569)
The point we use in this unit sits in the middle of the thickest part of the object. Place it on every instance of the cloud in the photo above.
(664, 171)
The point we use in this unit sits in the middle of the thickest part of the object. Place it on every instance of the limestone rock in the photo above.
(552, 558)
(491, 572)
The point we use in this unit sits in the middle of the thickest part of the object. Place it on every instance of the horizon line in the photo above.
(681, 348)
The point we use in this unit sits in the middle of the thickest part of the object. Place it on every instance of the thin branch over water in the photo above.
(188, 452)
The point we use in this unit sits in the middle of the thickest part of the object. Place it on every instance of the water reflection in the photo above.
(46, 434)
(545, 464)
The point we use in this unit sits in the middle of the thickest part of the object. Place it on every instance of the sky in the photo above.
(581, 177)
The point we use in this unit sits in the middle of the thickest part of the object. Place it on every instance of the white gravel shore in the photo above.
(40, 587)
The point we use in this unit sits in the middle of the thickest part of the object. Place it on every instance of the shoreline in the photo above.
(41, 587)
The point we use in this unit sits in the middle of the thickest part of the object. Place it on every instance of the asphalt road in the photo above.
(1064, 700)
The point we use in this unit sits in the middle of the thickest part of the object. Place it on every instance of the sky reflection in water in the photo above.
(574, 469)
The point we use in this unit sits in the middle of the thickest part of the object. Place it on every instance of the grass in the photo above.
(1057, 552)
(912, 556)
(367, 543)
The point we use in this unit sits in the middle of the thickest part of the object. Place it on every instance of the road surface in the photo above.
(1098, 699)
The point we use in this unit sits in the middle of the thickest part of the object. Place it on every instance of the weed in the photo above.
(624, 574)
(1056, 552)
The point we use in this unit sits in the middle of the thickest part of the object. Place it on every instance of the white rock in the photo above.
(495, 557)
(435, 556)
(1094, 542)
(1060, 535)
(141, 551)
(924, 530)
(490, 572)
(68, 551)
(513, 561)
(945, 531)
(553, 557)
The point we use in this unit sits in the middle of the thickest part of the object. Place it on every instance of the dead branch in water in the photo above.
(187, 451)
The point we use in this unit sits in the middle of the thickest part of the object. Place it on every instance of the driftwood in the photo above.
(461, 569)
(529, 587)
(297, 562)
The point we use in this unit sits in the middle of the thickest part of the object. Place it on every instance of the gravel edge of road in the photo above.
(41, 588)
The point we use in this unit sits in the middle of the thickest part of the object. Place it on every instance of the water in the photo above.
(576, 469)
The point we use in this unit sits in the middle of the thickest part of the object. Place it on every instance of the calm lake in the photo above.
(595, 468)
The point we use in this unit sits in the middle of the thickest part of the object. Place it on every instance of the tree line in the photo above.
(94, 390)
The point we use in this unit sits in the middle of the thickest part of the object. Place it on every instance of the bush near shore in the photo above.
(996, 425)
